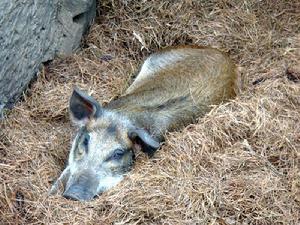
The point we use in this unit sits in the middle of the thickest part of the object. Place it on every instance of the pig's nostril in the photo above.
(78, 195)
(96, 196)
(71, 196)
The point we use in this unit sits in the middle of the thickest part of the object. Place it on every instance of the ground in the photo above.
(240, 164)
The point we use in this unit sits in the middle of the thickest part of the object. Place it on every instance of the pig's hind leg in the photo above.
(153, 65)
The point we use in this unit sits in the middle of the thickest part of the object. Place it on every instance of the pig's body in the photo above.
(173, 88)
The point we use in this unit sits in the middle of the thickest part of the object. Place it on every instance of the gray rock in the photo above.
(33, 32)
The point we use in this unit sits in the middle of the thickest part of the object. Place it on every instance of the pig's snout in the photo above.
(82, 188)
(78, 193)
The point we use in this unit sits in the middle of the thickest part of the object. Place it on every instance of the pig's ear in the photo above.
(83, 107)
(143, 140)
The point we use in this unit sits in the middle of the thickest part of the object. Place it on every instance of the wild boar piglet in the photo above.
(173, 87)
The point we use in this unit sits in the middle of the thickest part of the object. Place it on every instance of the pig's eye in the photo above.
(83, 148)
(86, 141)
(118, 154)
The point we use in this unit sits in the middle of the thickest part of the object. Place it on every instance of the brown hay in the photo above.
(240, 164)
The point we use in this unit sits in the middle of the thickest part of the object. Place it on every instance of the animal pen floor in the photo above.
(240, 164)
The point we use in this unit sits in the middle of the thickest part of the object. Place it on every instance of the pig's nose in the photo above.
(70, 196)
(77, 194)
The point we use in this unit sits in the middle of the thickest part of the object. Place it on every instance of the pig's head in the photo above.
(102, 151)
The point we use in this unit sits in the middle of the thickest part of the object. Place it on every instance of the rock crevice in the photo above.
(33, 32)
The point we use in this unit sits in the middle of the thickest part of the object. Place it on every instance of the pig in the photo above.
(173, 88)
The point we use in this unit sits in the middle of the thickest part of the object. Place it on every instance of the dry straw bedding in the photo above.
(237, 165)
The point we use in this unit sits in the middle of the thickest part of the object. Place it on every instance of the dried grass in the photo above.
(240, 164)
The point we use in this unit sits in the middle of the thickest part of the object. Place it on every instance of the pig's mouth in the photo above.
(78, 194)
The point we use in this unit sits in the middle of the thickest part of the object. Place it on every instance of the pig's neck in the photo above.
(138, 116)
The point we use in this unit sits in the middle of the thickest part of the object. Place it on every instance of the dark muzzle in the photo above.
(82, 187)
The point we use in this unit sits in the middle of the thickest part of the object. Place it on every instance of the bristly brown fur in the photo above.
(177, 92)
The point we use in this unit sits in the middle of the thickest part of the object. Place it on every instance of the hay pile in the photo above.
(240, 164)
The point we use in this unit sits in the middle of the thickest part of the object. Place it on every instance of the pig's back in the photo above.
(178, 84)
(206, 74)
